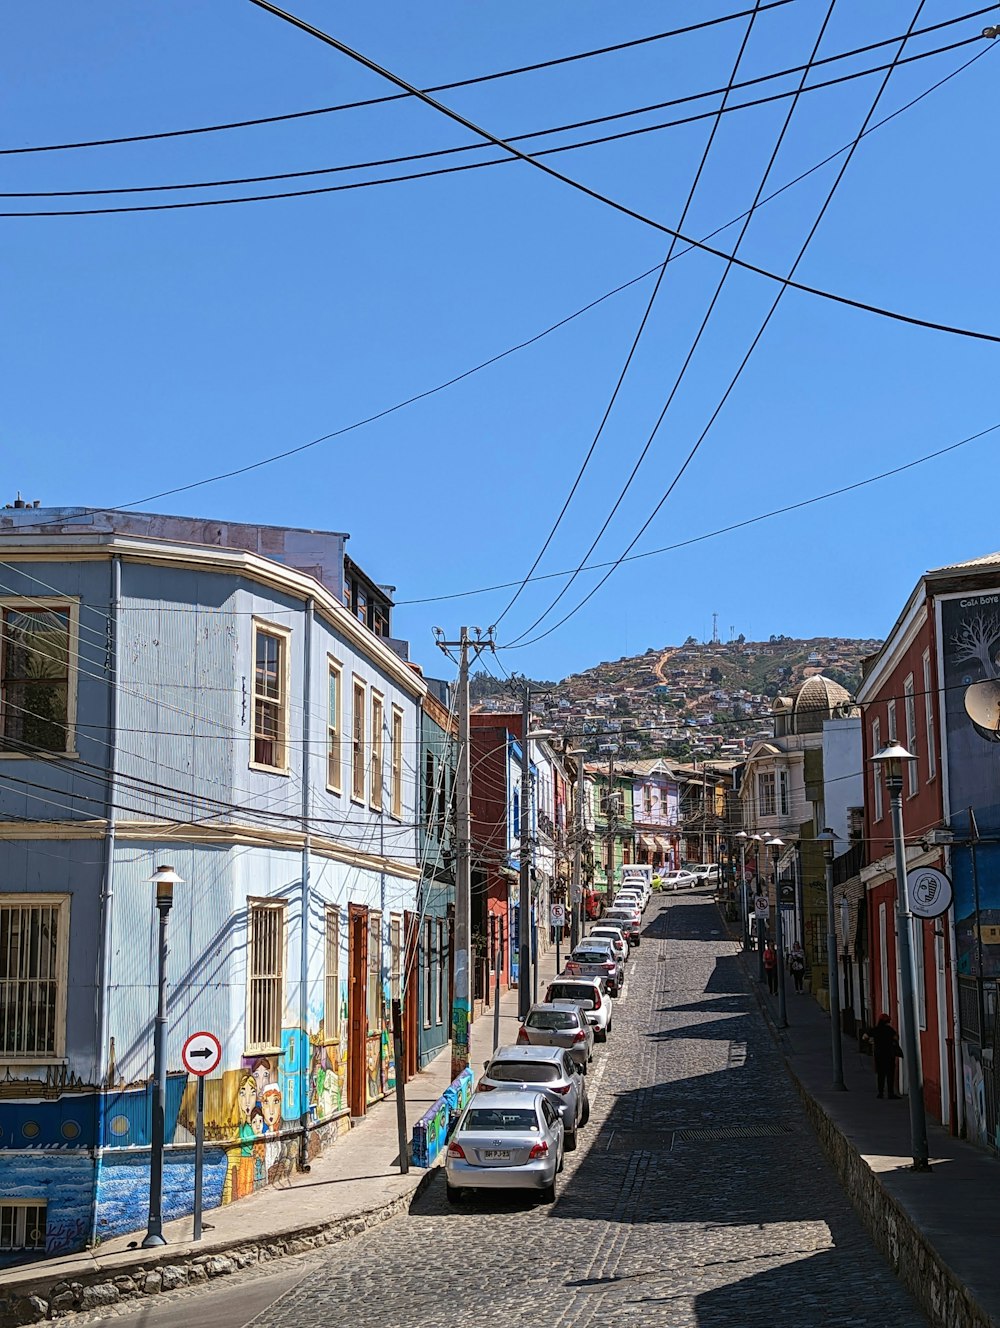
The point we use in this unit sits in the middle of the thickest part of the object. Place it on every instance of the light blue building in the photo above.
(226, 700)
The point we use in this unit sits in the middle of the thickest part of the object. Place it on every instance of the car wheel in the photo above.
(609, 1029)
(600, 1034)
(569, 1143)
(454, 1194)
(585, 1113)
(549, 1194)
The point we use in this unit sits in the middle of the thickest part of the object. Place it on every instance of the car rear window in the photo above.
(524, 1072)
(591, 956)
(503, 1118)
(570, 991)
(552, 1019)
(607, 932)
(625, 917)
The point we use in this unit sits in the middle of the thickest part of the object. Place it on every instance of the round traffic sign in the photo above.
(929, 892)
(201, 1053)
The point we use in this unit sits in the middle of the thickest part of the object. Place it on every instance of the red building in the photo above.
(495, 757)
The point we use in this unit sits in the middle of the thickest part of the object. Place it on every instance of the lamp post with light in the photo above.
(164, 878)
(776, 845)
(890, 759)
(742, 836)
(576, 886)
(828, 839)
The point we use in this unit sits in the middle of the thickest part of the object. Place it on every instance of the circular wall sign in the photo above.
(929, 892)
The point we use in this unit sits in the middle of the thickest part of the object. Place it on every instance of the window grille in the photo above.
(266, 974)
(22, 1225)
(34, 679)
(31, 981)
(331, 992)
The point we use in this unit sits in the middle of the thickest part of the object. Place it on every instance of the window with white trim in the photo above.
(378, 721)
(428, 966)
(375, 1020)
(929, 717)
(265, 974)
(783, 792)
(395, 957)
(910, 713)
(37, 676)
(358, 742)
(876, 769)
(331, 977)
(765, 793)
(396, 805)
(34, 936)
(334, 723)
(270, 697)
(890, 721)
(22, 1224)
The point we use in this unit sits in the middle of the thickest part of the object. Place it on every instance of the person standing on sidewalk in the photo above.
(885, 1041)
(771, 967)
(797, 965)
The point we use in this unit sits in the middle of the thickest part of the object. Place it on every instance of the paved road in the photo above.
(698, 1197)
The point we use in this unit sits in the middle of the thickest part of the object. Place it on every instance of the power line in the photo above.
(431, 155)
(639, 332)
(612, 203)
(403, 96)
(698, 335)
(739, 370)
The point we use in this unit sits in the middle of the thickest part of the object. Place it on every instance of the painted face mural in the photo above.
(257, 1122)
(271, 1107)
(247, 1097)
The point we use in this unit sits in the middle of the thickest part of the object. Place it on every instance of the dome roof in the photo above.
(816, 699)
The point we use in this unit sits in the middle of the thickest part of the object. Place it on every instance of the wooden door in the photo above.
(357, 1010)
(411, 1004)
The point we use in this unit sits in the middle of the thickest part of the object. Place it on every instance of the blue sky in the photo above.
(145, 351)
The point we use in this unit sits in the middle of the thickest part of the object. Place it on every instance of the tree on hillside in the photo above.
(715, 674)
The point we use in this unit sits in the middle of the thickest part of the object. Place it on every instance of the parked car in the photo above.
(678, 880)
(705, 873)
(549, 1070)
(560, 1025)
(642, 884)
(609, 931)
(630, 921)
(506, 1141)
(592, 959)
(591, 994)
(630, 899)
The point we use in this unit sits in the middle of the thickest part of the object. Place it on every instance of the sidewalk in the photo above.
(940, 1231)
(354, 1185)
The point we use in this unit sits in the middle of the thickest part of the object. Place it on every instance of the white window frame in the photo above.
(257, 1047)
(14, 1212)
(910, 718)
(284, 635)
(52, 603)
(376, 773)
(395, 957)
(331, 977)
(781, 793)
(359, 719)
(878, 805)
(334, 727)
(929, 718)
(57, 1052)
(428, 966)
(373, 986)
(892, 733)
(767, 797)
(396, 799)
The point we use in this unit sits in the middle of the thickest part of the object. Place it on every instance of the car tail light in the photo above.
(538, 1151)
(522, 1036)
(456, 1150)
(580, 1036)
(609, 968)
(597, 1002)
(484, 1087)
(561, 1088)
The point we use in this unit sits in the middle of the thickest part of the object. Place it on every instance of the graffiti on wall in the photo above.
(432, 1130)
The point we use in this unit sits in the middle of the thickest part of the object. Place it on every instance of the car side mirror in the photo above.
(486, 1066)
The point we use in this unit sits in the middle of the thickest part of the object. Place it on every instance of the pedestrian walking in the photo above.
(797, 965)
(771, 967)
(885, 1042)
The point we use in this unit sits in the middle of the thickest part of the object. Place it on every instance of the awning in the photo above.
(647, 843)
(662, 845)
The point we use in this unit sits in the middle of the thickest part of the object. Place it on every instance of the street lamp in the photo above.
(757, 840)
(891, 758)
(742, 836)
(776, 845)
(828, 839)
(524, 868)
(164, 878)
(576, 887)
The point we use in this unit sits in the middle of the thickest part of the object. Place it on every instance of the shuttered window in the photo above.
(33, 938)
(266, 972)
(22, 1225)
(331, 978)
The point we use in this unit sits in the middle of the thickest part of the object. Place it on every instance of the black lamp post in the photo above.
(742, 837)
(164, 878)
(757, 840)
(891, 759)
(828, 839)
(776, 845)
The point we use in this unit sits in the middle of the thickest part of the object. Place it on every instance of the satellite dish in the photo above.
(982, 704)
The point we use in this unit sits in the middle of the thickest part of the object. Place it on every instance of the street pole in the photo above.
(761, 924)
(609, 871)
(462, 994)
(164, 879)
(833, 981)
(914, 1084)
(576, 897)
(776, 846)
(524, 866)
(397, 1051)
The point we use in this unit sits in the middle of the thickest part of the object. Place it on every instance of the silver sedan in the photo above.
(562, 1024)
(506, 1141)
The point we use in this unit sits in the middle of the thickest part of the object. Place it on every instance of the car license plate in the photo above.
(496, 1154)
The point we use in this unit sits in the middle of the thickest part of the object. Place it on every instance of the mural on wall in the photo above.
(970, 644)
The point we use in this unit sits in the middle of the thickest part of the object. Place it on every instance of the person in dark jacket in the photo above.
(885, 1041)
(771, 968)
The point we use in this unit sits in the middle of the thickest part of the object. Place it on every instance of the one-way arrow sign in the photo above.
(201, 1053)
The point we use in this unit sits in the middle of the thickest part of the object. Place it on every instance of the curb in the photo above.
(43, 1298)
(939, 1292)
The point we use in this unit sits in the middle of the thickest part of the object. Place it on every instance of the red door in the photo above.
(357, 1010)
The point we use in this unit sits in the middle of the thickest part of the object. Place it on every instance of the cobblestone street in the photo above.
(698, 1195)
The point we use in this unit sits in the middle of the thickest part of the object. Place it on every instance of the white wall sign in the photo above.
(928, 891)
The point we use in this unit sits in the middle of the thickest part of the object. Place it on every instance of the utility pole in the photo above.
(524, 866)
(461, 1006)
(576, 888)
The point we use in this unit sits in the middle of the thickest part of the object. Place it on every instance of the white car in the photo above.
(678, 880)
(629, 899)
(589, 993)
(615, 935)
